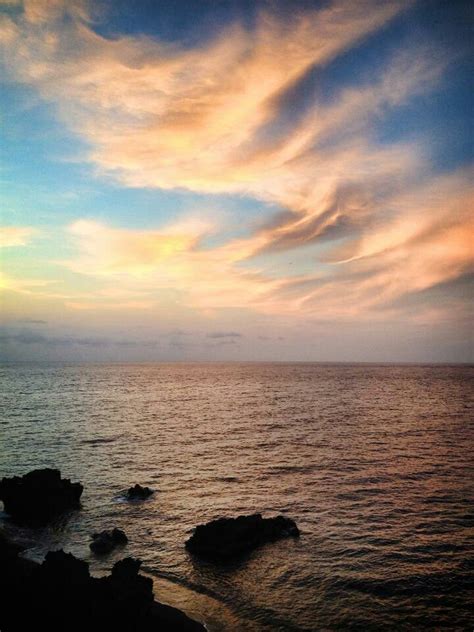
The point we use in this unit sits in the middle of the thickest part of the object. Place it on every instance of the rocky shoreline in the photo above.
(60, 594)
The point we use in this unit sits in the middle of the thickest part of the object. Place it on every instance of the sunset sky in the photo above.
(236, 180)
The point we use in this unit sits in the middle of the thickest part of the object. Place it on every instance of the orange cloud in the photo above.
(15, 235)
(168, 264)
(133, 252)
(427, 242)
(206, 118)
(159, 115)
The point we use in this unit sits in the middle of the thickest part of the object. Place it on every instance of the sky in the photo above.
(236, 180)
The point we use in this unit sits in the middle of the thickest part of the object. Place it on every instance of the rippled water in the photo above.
(373, 462)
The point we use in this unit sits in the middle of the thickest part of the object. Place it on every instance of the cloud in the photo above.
(170, 266)
(374, 221)
(22, 285)
(15, 236)
(96, 301)
(33, 321)
(422, 239)
(166, 116)
(34, 338)
(9, 336)
(222, 343)
(136, 252)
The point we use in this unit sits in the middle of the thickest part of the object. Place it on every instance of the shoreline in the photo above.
(218, 615)
(61, 587)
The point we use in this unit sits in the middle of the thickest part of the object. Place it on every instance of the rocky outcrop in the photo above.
(228, 538)
(60, 594)
(106, 541)
(137, 492)
(39, 495)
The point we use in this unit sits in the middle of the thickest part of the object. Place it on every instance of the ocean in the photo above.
(373, 462)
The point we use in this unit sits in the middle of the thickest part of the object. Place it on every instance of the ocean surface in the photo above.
(374, 462)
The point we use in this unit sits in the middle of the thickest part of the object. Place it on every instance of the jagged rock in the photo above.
(126, 569)
(60, 594)
(65, 569)
(227, 538)
(137, 492)
(105, 541)
(39, 495)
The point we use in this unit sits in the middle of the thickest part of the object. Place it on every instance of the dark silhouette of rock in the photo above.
(60, 594)
(137, 492)
(106, 541)
(9, 550)
(62, 571)
(39, 495)
(126, 568)
(227, 538)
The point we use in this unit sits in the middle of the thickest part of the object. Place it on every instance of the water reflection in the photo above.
(373, 462)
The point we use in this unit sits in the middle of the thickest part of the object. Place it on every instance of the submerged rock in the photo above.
(106, 541)
(39, 495)
(60, 594)
(227, 538)
(137, 492)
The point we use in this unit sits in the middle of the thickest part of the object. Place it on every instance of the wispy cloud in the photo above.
(15, 236)
(135, 252)
(165, 116)
(374, 219)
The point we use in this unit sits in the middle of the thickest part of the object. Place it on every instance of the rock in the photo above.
(60, 594)
(12, 567)
(65, 569)
(39, 495)
(169, 619)
(105, 541)
(227, 538)
(119, 536)
(126, 569)
(9, 550)
(137, 492)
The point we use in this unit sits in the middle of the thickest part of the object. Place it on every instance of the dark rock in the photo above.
(227, 538)
(60, 594)
(9, 550)
(119, 536)
(65, 569)
(105, 541)
(39, 495)
(137, 492)
(11, 565)
(169, 619)
(126, 569)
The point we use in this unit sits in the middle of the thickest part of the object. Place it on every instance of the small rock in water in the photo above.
(39, 495)
(227, 538)
(139, 492)
(106, 541)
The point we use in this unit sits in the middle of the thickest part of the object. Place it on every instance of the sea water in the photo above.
(373, 462)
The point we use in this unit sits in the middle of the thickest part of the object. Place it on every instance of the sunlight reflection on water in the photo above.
(373, 462)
